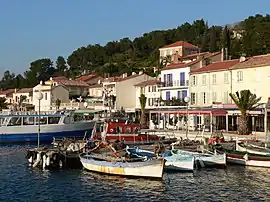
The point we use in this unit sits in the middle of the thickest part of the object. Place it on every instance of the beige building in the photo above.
(27, 92)
(211, 84)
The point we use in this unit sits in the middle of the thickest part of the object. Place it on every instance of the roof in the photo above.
(194, 55)
(119, 78)
(25, 90)
(183, 65)
(255, 61)
(67, 82)
(6, 92)
(96, 85)
(148, 83)
(59, 78)
(216, 66)
(181, 43)
(87, 77)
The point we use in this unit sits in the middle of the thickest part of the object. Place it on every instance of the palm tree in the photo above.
(245, 101)
(3, 104)
(143, 104)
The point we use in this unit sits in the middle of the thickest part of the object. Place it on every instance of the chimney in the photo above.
(133, 73)
(124, 75)
(242, 59)
(141, 72)
(41, 82)
(99, 82)
(51, 78)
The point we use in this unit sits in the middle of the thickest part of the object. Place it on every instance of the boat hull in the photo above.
(252, 149)
(133, 139)
(11, 134)
(148, 169)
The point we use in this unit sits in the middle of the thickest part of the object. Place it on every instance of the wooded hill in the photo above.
(249, 37)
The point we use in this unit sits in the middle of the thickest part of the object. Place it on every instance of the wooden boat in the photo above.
(252, 149)
(173, 161)
(138, 167)
(205, 159)
(244, 158)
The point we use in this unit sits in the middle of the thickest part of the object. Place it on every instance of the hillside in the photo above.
(125, 55)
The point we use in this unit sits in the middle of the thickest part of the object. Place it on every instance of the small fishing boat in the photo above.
(205, 159)
(138, 167)
(252, 149)
(244, 158)
(173, 161)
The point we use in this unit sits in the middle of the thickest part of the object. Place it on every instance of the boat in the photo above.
(138, 167)
(244, 158)
(252, 149)
(173, 161)
(121, 130)
(205, 159)
(24, 126)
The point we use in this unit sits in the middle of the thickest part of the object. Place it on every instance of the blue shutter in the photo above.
(168, 95)
(178, 94)
(182, 78)
(184, 94)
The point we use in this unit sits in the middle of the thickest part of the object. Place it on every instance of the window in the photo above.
(178, 94)
(226, 97)
(203, 79)
(214, 96)
(168, 95)
(214, 79)
(154, 88)
(226, 77)
(193, 98)
(194, 80)
(149, 101)
(239, 76)
(149, 88)
(204, 97)
(182, 79)
(46, 96)
(184, 94)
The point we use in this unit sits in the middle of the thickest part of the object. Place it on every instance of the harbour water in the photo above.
(18, 182)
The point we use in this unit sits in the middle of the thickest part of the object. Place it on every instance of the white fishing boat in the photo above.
(252, 149)
(173, 161)
(23, 127)
(117, 166)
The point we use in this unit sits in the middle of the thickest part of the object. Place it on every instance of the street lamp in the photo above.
(39, 97)
(187, 99)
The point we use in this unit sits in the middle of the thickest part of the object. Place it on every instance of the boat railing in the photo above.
(159, 132)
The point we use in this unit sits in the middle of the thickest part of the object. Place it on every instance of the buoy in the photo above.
(37, 160)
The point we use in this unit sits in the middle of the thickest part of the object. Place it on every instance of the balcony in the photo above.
(175, 84)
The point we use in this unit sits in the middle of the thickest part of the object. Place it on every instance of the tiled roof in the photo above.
(119, 78)
(148, 83)
(181, 43)
(59, 78)
(86, 77)
(67, 82)
(255, 61)
(6, 92)
(215, 66)
(96, 85)
(194, 55)
(24, 90)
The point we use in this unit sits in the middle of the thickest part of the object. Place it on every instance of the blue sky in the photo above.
(32, 29)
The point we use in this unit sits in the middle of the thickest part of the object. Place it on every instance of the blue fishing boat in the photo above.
(173, 161)
(23, 127)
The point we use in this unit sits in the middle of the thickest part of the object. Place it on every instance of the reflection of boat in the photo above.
(244, 158)
(205, 159)
(252, 149)
(173, 160)
(134, 167)
(24, 127)
(112, 130)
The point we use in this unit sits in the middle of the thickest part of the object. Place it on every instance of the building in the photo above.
(90, 79)
(211, 84)
(179, 48)
(76, 88)
(151, 91)
(122, 92)
(96, 90)
(8, 95)
(50, 94)
(175, 76)
(27, 93)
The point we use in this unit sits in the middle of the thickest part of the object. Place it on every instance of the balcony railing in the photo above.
(176, 83)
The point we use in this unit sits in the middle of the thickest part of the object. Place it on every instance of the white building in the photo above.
(50, 95)
(150, 89)
(26, 92)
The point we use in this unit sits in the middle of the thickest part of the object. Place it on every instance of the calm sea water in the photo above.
(18, 182)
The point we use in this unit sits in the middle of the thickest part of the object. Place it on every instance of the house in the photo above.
(122, 91)
(90, 79)
(50, 94)
(76, 88)
(150, 89)
(26, 92)
(8, 95)
(211, 84)
(175, 76)
(96, 90)
(178, 49)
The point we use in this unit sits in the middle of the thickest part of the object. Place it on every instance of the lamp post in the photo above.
(187, 99)
(39, 97)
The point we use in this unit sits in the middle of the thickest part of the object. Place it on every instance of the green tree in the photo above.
(245, 101)
(143, 100)
(61, 65)
(3, 104)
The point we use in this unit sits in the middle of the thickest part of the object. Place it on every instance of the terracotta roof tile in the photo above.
(7, 92)
(194, 55)
(96, 85)
(67, 82)
(24, 90)
(215, 66)
(181, 43)
(86, 77)
(148, 83)
(255, 61)
(59, 78)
